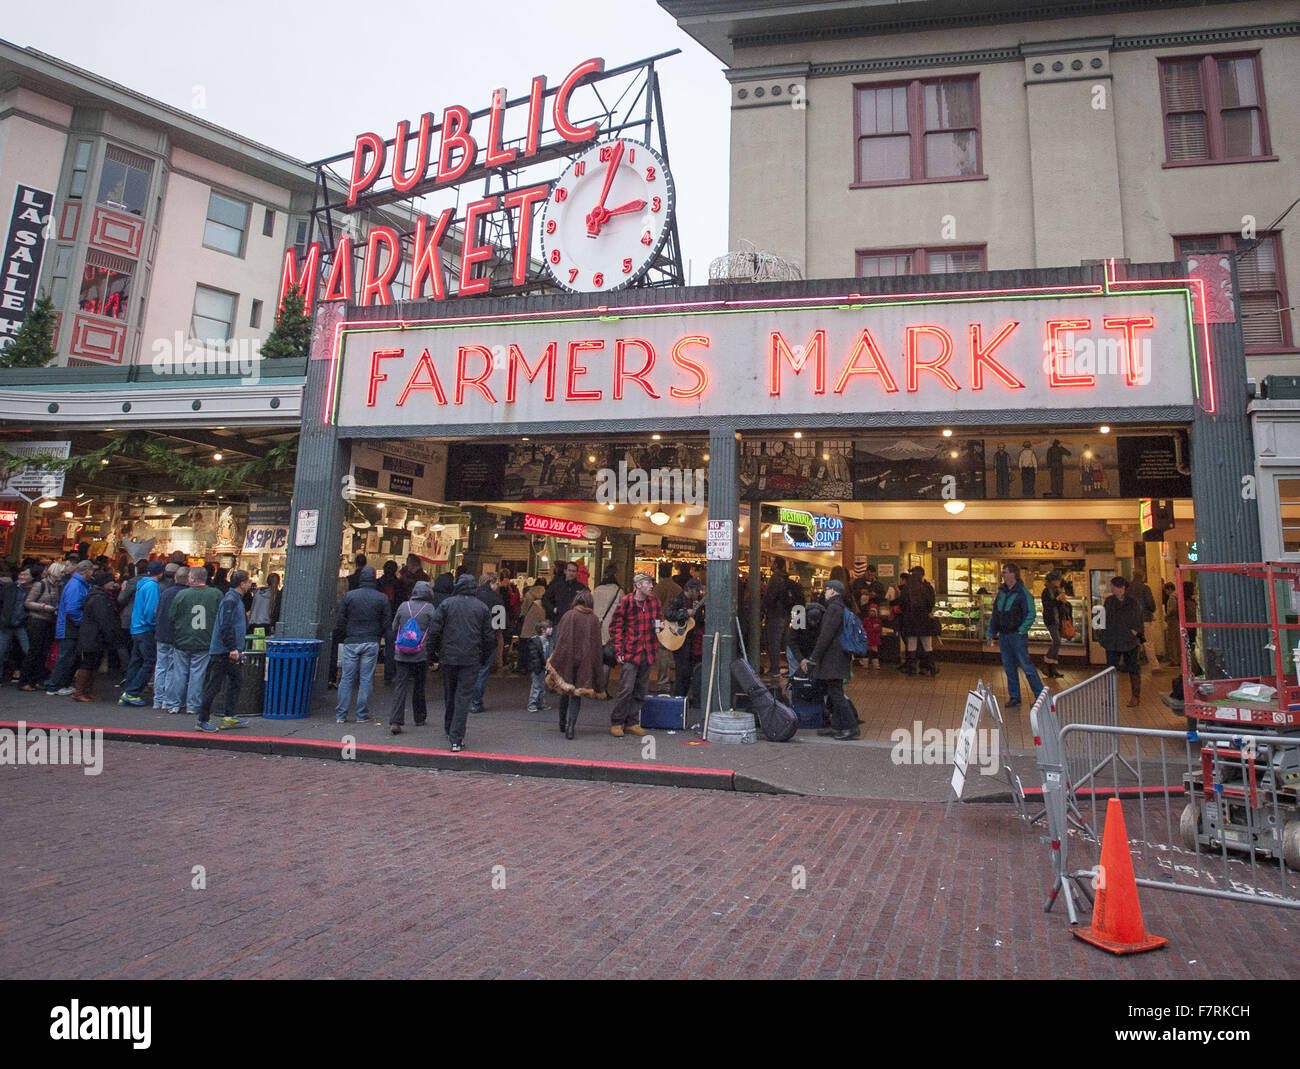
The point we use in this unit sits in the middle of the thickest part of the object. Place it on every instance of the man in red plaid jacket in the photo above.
(634, 631)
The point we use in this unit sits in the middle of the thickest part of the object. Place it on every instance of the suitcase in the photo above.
(776, 719)
(661, 711)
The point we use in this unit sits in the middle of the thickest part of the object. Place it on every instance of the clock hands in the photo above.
(623, 209)
(599, 213)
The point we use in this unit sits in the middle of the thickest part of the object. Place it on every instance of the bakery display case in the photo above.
(958, 618)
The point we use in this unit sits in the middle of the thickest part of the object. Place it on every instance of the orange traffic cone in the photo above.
(1117, 916)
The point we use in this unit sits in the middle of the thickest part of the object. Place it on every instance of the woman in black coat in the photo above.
(830, 663)
(916, 623)
(98, 634)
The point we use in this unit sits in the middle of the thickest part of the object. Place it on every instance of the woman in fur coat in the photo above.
(576, 669)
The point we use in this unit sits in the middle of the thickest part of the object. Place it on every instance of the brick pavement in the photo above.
(346, 870)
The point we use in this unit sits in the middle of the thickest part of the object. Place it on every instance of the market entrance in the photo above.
(1059, 503)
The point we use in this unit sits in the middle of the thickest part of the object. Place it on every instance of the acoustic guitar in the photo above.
(673, 636)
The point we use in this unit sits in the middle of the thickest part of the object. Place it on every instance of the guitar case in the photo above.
(775, 718)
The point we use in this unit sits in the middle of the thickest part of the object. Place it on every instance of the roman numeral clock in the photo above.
(607, 217)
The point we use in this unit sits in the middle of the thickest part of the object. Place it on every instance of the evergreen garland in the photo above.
(140, 445)
(33, 345)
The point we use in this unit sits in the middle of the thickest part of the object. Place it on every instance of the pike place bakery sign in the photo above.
(977, 354)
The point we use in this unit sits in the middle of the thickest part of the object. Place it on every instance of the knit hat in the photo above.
(1053, 577)
(157, 567)
(693, 584)
(835, 585)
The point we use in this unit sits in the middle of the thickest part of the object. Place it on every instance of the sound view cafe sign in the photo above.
(438, 155)
(963, 354)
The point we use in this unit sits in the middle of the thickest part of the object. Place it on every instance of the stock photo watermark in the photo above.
(59, 746)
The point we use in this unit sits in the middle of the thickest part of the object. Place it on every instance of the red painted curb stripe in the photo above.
(136, 733)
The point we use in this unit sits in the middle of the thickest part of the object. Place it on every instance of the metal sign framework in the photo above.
(625, 102)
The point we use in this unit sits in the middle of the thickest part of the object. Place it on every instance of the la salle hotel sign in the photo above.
(961, 356)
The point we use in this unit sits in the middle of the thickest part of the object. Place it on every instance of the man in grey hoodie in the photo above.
(411, 667)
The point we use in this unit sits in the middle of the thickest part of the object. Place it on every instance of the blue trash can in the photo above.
(290, 672)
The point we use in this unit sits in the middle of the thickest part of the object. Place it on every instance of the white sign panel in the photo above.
(966, 740)
(720, 545)
(1113, 351)
(308, 522)
(34, 482)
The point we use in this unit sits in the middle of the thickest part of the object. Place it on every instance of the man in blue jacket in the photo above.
(224, 652)
(144, 645)
(68, 626)
(1013, 616)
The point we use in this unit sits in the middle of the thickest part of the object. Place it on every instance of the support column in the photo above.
(754, 625)
(311, 572)
(622, 554)
(720, 607)
(480, 551)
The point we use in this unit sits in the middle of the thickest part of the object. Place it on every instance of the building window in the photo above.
(1288, 506)
(920, 131)
(80, 166)
(944, 260)
(1261, 282)
(105, 285)
(255, 316)
(226, 226)
(213, 321)
(301, 228)
(124, 182)
(1214, 109)
(268, 223)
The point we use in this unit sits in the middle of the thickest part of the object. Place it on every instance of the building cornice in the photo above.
(264, 404)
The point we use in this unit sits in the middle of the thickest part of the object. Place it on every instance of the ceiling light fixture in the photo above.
(947, 432)
(103, 460)
(798, 434)
(659, 518)
(954, 507)
(655, 437)
(217, 456)
(48, 503)
(1104, 429)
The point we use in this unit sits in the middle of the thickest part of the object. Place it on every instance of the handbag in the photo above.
(607, 654)
(1067, 628)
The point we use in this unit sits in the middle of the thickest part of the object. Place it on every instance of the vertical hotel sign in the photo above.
(24, 251)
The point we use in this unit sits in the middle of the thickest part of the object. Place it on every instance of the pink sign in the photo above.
(560, 528)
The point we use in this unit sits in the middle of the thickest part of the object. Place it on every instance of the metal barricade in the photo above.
(1210, 813)
(1095, 701)
(1056, 800)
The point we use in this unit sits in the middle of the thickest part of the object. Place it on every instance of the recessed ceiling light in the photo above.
(798, 434)
(1104, 429)
(947, 432)
(954, 506)
(104, 460)
(48, 503)
(217, 456)
(655, 437)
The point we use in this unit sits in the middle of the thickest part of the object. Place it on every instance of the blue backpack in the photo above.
(853, 639)
(410, 639)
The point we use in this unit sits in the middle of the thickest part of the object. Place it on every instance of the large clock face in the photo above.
(607, 217)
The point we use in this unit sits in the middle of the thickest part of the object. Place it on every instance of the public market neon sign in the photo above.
(422, 162)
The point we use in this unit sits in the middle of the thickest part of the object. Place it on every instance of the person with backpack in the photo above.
(1013, 615)
(829, 662)
(462, 632)
(143, 623)
(362, 621)
(411, 648)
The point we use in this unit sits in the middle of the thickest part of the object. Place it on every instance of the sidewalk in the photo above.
(531, 744)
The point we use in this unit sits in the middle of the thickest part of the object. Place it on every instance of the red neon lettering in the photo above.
(425, 363)
(576, 370)
(305, 281)
(471, 254)
(867, 346)
(914, 364)
(563, 127)
(480, 382)
(981, 357)
(374, 283)
(363, 177)
(1130, 325)
(425, 261)
(621, 373)
(546, 360)
(404, 182)
(455, 134)
(815, 350)
(1055, 377)
(523, 200)
(377, 376)
(338, 286)
(535, 98)
(684, 362)
(494, 155)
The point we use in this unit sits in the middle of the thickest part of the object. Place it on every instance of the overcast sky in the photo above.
(307, 78)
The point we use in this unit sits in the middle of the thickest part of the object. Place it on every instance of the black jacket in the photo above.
(363, 614)
(803, 640)
(99, 630)
(1123, 619)
(829, 659)
(558, 598)
(462, 627)
(917, 602)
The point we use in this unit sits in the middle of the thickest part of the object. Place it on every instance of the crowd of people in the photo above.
(169, 629)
